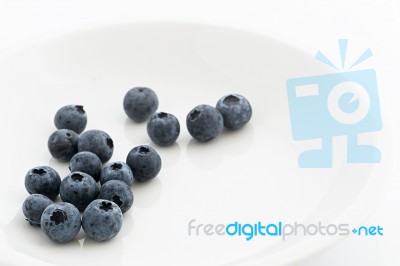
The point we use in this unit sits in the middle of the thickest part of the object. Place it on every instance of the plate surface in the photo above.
(247, 176)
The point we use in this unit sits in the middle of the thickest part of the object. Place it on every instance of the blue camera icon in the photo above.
(338, 104)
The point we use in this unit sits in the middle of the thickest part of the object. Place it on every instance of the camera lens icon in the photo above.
(338, 104)
(348, 102)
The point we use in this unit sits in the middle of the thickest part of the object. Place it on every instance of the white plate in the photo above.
(248, 176)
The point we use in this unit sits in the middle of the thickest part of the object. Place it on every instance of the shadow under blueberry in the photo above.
(169, 154)
(209, 155)
(31, 241)
(136, 132)
(110, 252)
(146, 193)
(61, 167)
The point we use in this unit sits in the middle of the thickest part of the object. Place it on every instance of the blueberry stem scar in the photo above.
(80, 109)
(39, 171)
(231, 99)
(59, 216)
(117, 200)
(143, 150)
(162, 115)
(106, 206)
(77, 177)
(110, 143)
(194, 114)
(116, 166)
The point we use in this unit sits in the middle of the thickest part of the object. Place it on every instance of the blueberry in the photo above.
(71, 117)
(98, 142)
(61, 222)
(144, 162)
(34, 206)
(43, 180)
(163, 128)
(79, 189)
(63, 144)
(204, 122)
(86, 162)
(102, 220)
(140, 103)
(235, 109)
(117, 171)
(118, 192)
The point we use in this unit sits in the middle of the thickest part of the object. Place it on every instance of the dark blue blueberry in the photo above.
(98, 142)
(79, 189)
(71, 117)
(117, 171)
(63, 144)
(43, 180)
(61, 222)
(235, 109)
(102, 220)
(86, 162)
(34, 206)
(118, 192)
(140, 103)
(163, 128)
(204, 122)
(144, 162)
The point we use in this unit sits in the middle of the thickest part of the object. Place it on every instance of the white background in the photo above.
(308, 25)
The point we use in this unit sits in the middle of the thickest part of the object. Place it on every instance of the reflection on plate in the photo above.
(247, 176)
